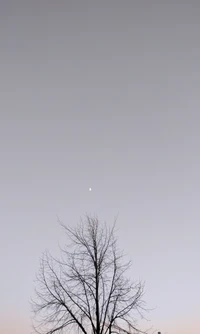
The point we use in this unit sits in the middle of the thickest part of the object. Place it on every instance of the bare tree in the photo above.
(87, 288)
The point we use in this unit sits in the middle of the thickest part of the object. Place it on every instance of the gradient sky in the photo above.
(102, 94)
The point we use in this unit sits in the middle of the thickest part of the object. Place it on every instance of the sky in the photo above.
(102, 94)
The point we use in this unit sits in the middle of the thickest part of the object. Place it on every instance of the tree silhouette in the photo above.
(86, 289)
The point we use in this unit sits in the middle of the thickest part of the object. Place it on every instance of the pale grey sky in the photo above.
(102, 94)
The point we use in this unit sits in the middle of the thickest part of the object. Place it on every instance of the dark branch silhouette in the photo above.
(87, 288)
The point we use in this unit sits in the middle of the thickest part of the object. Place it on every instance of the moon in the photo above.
(90, 189)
